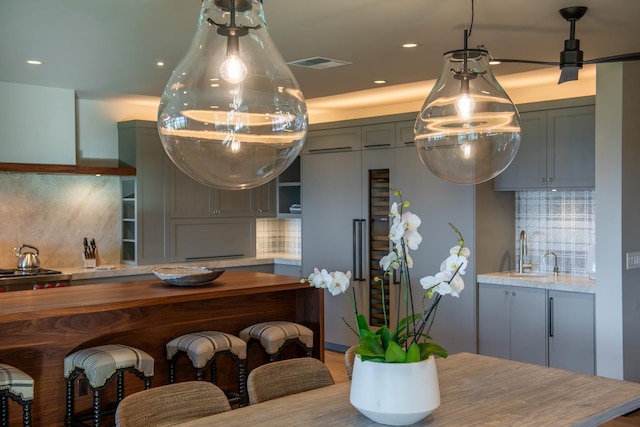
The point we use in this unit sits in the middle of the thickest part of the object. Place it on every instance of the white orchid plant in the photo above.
(410, 340)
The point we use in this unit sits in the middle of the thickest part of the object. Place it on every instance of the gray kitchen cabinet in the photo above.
(335, 171)
(206, 239)
(439, 203)
(404, 133)
(513, 323)
(572, 331)
(143, 197)
(557, 150)
(190, 199)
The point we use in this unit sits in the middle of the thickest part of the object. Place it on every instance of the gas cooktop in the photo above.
(23, 273)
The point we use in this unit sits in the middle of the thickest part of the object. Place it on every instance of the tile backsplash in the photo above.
(276, 236)
(558, 221)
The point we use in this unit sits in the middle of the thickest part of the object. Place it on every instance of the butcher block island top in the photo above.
(40, 327)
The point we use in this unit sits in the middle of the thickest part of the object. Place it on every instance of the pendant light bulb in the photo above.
(232, 115)
(233, 70)
(465, 106)
(468, 130)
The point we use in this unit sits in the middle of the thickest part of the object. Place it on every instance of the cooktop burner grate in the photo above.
(22, 273)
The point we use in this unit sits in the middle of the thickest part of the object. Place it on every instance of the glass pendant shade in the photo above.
(232, 115)
(468, 130)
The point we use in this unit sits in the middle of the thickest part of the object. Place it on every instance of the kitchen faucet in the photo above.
(556, 271)
(523, 252)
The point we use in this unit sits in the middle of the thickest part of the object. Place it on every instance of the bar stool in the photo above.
(100, 365)
(274, 336)
(203, 348)
(18, 386)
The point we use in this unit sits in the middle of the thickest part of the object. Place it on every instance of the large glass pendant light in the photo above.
(232, 115)
(468, 130)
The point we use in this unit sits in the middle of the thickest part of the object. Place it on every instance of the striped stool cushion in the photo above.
(100, 363)
(272, 335)
(17, 382)
(202, 346)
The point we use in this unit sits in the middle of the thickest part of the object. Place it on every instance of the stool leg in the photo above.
(242, 382)
(147, 383)
(4, 411)
(96, 408)
(26, 415)
(120, 392)
(67, 419)
(214, 372)
(172, 371)
(199, 374)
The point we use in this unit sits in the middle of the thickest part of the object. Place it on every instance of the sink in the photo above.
(528, 274)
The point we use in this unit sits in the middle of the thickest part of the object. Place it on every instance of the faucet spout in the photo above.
(556, 271)
(523, 253)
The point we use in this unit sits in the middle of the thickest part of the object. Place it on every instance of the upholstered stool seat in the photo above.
(275, 335)
(18, 386)
(100, 365)
(203, 348)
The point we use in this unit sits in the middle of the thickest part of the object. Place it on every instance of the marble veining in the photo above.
(54, 213)
(566, 283)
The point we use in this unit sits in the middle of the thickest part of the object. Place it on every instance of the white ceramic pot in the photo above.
(395, 393)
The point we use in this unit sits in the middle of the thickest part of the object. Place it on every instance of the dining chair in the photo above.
(285, 377)
(349, 357)
(171, 404)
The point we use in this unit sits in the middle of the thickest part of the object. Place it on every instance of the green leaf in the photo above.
(385, 335)
(362, 323)
(371, 345)
(413, 354)
(395, 353)
(429, 348)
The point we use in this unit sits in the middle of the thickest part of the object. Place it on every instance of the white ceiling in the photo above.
(110, 47)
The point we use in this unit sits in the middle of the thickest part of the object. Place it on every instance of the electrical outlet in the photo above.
(633, 260)
(83, 387)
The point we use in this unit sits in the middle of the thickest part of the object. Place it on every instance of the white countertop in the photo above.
(561, 283)
(120, 270)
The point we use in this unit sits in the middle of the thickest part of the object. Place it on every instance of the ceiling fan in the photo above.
(571, 58)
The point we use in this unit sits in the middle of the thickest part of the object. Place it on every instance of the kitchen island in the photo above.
(39, 328)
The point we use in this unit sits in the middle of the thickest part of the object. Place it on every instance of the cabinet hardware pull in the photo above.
(551, 316)
(259, 210)
(215, 212)
(377, 146)
(550, 179)
(409, 143)
(506, 292)
(543, 180)
(195, 258)
(328, 150)
(513, 294)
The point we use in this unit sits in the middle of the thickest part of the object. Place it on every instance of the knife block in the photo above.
(88, 262)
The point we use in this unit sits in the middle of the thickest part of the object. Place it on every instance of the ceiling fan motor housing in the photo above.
(571, 56)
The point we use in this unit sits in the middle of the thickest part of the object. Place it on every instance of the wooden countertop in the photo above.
(30, 304)
(474, 390)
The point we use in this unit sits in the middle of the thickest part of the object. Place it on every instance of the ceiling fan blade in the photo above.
(635, 56)
(527, 61)
(568, 73)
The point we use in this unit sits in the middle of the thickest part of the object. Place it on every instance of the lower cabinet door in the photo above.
(202, 239)
(572, 331)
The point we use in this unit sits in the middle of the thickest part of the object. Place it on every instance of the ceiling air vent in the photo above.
(318, 63)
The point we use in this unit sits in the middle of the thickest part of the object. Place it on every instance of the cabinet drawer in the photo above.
(343, 139)
(211, 239)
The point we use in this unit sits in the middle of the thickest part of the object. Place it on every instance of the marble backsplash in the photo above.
(558, 221)
(54, 213)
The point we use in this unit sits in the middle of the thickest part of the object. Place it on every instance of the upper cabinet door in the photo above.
(231, 203)
(571, 162)
(187, 198)
(528, 170)
(378, 136)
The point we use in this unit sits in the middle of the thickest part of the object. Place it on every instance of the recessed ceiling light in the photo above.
(410, 45)
(160, 64)
(379, 82)
(34, 62)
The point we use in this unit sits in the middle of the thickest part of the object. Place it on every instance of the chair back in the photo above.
(285, 377)
(349, 357)
(171, 404)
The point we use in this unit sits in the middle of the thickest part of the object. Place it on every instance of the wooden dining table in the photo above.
(475, 390)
